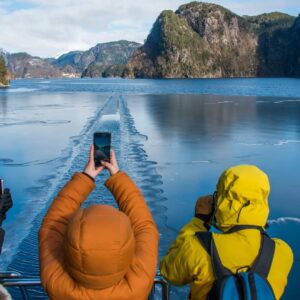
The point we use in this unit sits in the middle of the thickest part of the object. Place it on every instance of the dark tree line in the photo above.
(4, 80)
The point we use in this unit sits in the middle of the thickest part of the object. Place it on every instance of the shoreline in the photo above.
(4, 86)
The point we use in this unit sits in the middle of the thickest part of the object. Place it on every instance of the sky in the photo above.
(49, 28)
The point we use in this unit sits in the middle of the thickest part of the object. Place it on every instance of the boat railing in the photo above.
(15, 279)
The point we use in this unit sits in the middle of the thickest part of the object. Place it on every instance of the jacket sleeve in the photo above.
(281, 265)
(178, 266)
(131, 201)
(54, 225)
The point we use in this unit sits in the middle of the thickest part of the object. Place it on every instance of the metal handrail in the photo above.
(15, 279)
(165, 290)
(9, 275)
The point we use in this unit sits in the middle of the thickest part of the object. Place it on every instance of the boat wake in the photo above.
(114, 116)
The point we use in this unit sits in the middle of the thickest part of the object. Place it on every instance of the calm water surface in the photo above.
(174, 137)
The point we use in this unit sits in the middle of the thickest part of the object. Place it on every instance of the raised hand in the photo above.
(112, 166)
(90, 167)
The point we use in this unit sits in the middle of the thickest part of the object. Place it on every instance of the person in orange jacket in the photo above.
(98, 252)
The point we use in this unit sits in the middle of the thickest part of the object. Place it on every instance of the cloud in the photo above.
(51, 27)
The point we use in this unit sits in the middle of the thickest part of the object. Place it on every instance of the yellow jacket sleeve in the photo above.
(177, 266)
(283, 261)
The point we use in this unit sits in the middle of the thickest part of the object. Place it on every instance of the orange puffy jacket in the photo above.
(98, 252)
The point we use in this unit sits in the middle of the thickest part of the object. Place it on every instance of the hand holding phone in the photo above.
(102, 146)
(90, 168)
(112, 166)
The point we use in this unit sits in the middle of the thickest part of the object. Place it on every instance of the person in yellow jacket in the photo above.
(98, 252)
(241, 199)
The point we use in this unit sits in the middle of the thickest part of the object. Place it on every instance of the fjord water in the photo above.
(174, 137)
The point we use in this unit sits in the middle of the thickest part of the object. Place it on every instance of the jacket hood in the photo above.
(99, 246)
(242, 197)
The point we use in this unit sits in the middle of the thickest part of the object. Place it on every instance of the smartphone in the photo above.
(102, 145)
(1, 186)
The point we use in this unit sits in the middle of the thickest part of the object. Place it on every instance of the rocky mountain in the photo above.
(276, 44)
(208, 40)
(105, 59)
(71, 59)
(98, 61)
(99, 70)
(23, 65)
(197, 40)
(292, 57)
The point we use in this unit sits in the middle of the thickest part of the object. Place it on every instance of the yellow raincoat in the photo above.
(242, 200)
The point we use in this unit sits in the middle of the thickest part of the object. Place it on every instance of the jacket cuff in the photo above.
(89, 176)
(111, 180)
(84, 181)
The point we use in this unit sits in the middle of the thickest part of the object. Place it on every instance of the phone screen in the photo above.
(102, 144)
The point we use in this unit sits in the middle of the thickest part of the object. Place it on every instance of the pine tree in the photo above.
(3, 72)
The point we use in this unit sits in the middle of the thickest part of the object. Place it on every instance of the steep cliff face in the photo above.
(228, 36)
(171, 50)
(293, 53)
(274, 37)
(207, 40)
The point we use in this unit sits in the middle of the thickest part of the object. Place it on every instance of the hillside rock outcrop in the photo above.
(208, 40)
(106, 59)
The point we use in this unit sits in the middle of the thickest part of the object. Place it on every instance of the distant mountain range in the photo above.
(198, 40)
(208, 40)
(97, 61)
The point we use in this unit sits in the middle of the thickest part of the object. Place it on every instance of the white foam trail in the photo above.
(21, 90)
(283, 220)
(112, 117)
(251, 144)
(285, 101)
(284, 142)
(200, 161)
(11, 245)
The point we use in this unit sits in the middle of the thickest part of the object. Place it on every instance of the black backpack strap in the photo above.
(242, 227)
(207, 241)
(264, 259)
(205, 238)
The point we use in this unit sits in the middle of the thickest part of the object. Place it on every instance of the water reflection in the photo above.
(3, 104)
(224, 131)
(196, 115)
(193, 138)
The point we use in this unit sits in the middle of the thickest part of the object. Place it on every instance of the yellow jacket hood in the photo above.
(99, 246)
(242, 197)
